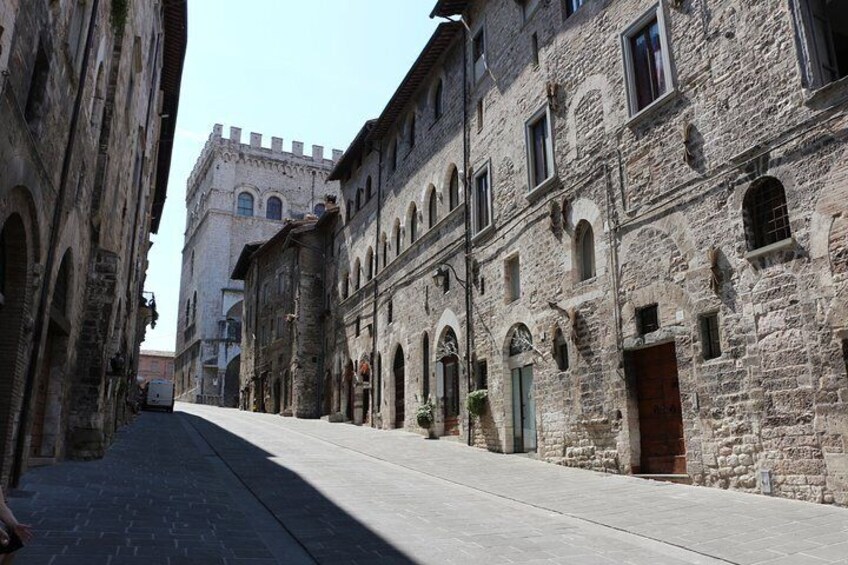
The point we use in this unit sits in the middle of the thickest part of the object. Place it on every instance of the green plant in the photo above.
(425, 413)
(476, 402)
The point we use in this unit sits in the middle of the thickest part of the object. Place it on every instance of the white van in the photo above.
(160, 395)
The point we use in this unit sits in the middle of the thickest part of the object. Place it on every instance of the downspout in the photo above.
(469, 285)
(20, 445)
(376, 259)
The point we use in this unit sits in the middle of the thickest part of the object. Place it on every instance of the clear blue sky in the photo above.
(310, 70)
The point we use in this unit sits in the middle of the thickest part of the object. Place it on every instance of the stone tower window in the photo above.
(433, 210)
(585, 251)
(275, 209)
(766, 214)
(245, 204)
(825, 24)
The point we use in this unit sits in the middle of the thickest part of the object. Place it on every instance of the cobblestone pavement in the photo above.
(209, 485)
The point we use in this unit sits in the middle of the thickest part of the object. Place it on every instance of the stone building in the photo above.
(650, 236)
(89, 95)
(238, 193)
(153, 365)
(283, 349)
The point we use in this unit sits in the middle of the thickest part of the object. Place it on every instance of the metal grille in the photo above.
(768, 214)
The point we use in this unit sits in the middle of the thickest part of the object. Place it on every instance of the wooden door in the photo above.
(400, 399)
(654, 372)
(451, 404)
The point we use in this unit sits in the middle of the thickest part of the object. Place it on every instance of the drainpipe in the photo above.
(41, 315)
(469, 285)
(376, 281)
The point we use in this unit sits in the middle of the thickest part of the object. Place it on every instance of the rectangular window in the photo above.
(482, 374)
(709, 336)
(647, 60)
(648, 319)
(512, 279)
(534, 45)
(482, 201)
(572, 6)
(479, 115)
(479, 54)
(390, 312)
(826, 34)
(539, 150)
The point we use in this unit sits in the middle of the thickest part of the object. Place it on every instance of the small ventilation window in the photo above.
(648, 319)
(711, 344)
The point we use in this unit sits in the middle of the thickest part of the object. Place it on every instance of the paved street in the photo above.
(208, 485)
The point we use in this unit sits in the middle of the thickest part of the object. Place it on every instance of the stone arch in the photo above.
(357, 274)
(369, 264)
(242, 192)
(51, 386)
(412, 223)
(399, 379)
(266, 200)
(585, 210)
(519, 360)
(666, 256)
(452, 175)
(440, 79)
(596, 85)
(431, 200)
(16, 261)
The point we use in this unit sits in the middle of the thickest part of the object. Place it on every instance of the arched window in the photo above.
(357, 275)
(521, 340)
(433, 209)
(359, 199)
(385, 241)
(398, 240)
(194, 307)
(585, 251)
(245, 204)
(188, 313)
(274, 209)
(437, 99)
(425, 363)
(453, 191)
(766, 214)
(393, 158)
(412, 131)
(560, 350)
(346, 285)
(369, 191)
(349, 210)
(369, 264)
(413, 224)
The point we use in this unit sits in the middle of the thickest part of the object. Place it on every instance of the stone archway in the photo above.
(16, 302)
(399, 374)
(51, 386)
(448, 379)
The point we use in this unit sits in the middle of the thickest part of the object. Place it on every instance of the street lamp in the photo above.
(441, 273)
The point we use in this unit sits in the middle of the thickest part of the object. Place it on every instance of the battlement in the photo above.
(255, 148)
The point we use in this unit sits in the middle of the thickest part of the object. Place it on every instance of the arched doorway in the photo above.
(519, 361)
(447, 375)
(14, 269)
(399, 375)
(50, 386)
(276, 395)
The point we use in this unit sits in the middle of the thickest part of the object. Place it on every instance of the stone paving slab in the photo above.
(160, 496)
(697, 523)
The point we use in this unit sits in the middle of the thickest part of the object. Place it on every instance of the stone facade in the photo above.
(275, 185)
(154, 365)
(85, 159)
(652, 243)
(283, 350)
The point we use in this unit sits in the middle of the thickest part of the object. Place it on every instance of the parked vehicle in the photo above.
(160, 395)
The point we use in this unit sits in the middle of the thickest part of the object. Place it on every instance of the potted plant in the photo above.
(425, 415)
(476, 402)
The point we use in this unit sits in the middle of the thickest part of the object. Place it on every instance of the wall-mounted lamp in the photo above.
(441, 273)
